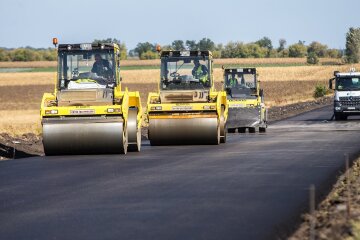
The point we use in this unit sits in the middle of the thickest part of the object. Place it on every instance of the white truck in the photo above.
(347, 94)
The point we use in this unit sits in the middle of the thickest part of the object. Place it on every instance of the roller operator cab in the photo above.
(245, 100)
(186, 109)
(347, 94)
(88, 111)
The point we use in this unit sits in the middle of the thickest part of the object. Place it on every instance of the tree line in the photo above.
(262, 48)
(27, 54)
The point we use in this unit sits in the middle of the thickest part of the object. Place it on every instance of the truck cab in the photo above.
(347, 94)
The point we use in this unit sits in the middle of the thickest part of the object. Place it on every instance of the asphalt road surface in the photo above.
(253, 187)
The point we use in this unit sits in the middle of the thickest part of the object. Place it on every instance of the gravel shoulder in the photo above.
(338, 215)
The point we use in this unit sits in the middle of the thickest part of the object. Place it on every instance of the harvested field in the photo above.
(27, 78)
(35, 64)
(156, 62)
(22, 97)
(309, 73)
(16, 122)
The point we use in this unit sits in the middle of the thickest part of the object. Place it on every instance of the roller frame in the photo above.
(245, 118)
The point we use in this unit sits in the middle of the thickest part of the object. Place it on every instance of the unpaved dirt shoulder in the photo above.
(31, 144)
(333, 220)
(26, 145)
(282, 112)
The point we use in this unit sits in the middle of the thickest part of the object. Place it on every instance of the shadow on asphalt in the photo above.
(11, 153)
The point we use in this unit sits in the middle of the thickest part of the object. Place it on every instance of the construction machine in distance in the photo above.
(186, 109)
(245, 100)
(88, 111)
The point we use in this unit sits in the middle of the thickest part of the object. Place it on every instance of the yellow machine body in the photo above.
(245, 100)
(94, 115)
(185, 110)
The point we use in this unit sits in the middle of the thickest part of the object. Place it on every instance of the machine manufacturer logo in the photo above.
(82, 111)
(237, 105)
(182, 108)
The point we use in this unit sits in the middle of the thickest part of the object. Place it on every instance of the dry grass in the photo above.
(17, 122)
(27, 78)
(275, 61)
(38, 64)
(301, 73)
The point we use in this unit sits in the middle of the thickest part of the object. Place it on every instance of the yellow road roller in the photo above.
(186, 109)
(245, 101)
(88, 111)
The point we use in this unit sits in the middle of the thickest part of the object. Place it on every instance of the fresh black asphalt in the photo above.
(253, 187)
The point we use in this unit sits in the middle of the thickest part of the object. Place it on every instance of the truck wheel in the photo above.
(241, 130)
(231, 130)
(262, 129)
(252, 130)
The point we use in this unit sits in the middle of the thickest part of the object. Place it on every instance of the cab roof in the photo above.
(87, 46)
(348, 74)
(171, 53)
(240, 70)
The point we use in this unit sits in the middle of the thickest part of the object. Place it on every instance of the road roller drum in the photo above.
(84, 136)
(164, 131)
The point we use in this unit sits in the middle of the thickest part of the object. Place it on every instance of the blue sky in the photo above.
(34, 23)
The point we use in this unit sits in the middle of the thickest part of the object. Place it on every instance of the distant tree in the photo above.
(265, 42)
(352, 51)
(273, 53)
(191, 45)
(284, 53)
(206, 44)
(219, 47)
(317, 48)
(178, 45)
(24, 54)
(48, 54)
(256, 51)
(149, 55)
(167, 47)
(312, 58)
(4, 55)
(132, 53)
(297, 50)
(122, 46)
(301, 42)
(233, 50)
(282, 44)
(217, 52)
(334, 53)
(144, 47)
(107, 40)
